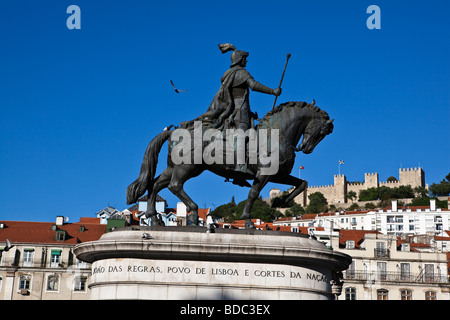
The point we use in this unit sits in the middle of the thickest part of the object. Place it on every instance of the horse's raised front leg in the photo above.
(181, 173)
(299, 184)
(258, 184)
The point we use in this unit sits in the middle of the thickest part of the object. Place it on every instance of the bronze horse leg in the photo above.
(299, 184)
(258, 184)
(160, 183)
(180, 174)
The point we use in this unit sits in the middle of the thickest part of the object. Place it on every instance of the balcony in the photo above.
(381, 253)
(394, 277)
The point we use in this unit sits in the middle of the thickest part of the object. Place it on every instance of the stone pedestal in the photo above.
(188, 263)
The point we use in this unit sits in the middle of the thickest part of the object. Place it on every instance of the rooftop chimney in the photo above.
(394, 205)
(432, 204)
(181, 209)
(59, 220)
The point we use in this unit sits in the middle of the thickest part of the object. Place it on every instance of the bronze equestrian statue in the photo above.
(230, 109)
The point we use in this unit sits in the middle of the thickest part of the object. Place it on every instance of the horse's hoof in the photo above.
(192, 221)
(249, 224)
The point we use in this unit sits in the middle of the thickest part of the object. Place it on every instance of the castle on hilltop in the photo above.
(336, 194)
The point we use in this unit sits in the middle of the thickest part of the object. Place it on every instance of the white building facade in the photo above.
(396, 221)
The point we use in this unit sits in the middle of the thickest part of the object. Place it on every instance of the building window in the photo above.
(27, 260)
(406, 294)
(81, 264)
(24, 282)
(381, 251)
(52, 283)
(382, 294)
(405, 274)
(60, 235)
(80, 284)
(350, 293)
(349, 244)
(429, 272)
(55, 258)
(381, 271)
(430, 295)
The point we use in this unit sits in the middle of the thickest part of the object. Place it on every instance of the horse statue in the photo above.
(293, 120)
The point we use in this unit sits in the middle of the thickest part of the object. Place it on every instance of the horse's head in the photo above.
(298, 119)
(315, 131)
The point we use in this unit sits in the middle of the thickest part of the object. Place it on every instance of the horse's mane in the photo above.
(296, 104)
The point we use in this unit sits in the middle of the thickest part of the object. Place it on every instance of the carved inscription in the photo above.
(221, 272)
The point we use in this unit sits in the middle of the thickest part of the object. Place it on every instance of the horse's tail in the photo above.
(148, 168)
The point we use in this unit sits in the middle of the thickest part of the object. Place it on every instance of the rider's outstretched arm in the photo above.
(256, 86)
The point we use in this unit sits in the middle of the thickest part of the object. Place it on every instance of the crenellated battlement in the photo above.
(321, 187)
(389, 183)
(337, 193)
(411, 169)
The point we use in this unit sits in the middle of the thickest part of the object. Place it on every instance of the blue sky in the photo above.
(78, 107)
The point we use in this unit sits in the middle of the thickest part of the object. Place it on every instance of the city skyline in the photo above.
(79, 106)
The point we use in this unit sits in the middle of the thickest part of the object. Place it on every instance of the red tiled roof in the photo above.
(90, 220)
(356, 235)
(308, 216)
(41, 232)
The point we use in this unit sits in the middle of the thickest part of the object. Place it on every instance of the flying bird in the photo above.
(176, 90)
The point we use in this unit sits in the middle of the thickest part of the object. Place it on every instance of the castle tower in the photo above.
(371, 180)
(415, 177)
(340, 189)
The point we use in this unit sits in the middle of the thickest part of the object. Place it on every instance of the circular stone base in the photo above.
(188, 263)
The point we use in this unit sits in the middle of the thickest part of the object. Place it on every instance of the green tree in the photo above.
(295, 210)
(280, 201)
(442, 188)
(225, 211)
(369, 194)
(385, 193)
(317, 203)
(353, 207)
(260, 210)
(351, 195)
(392, 179)
(369, 205)
(421, 191)
(425, 201)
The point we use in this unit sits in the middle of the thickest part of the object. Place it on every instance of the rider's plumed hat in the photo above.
(236, 56)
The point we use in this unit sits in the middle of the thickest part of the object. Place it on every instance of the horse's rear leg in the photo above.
(181, 173)
(162, 182)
